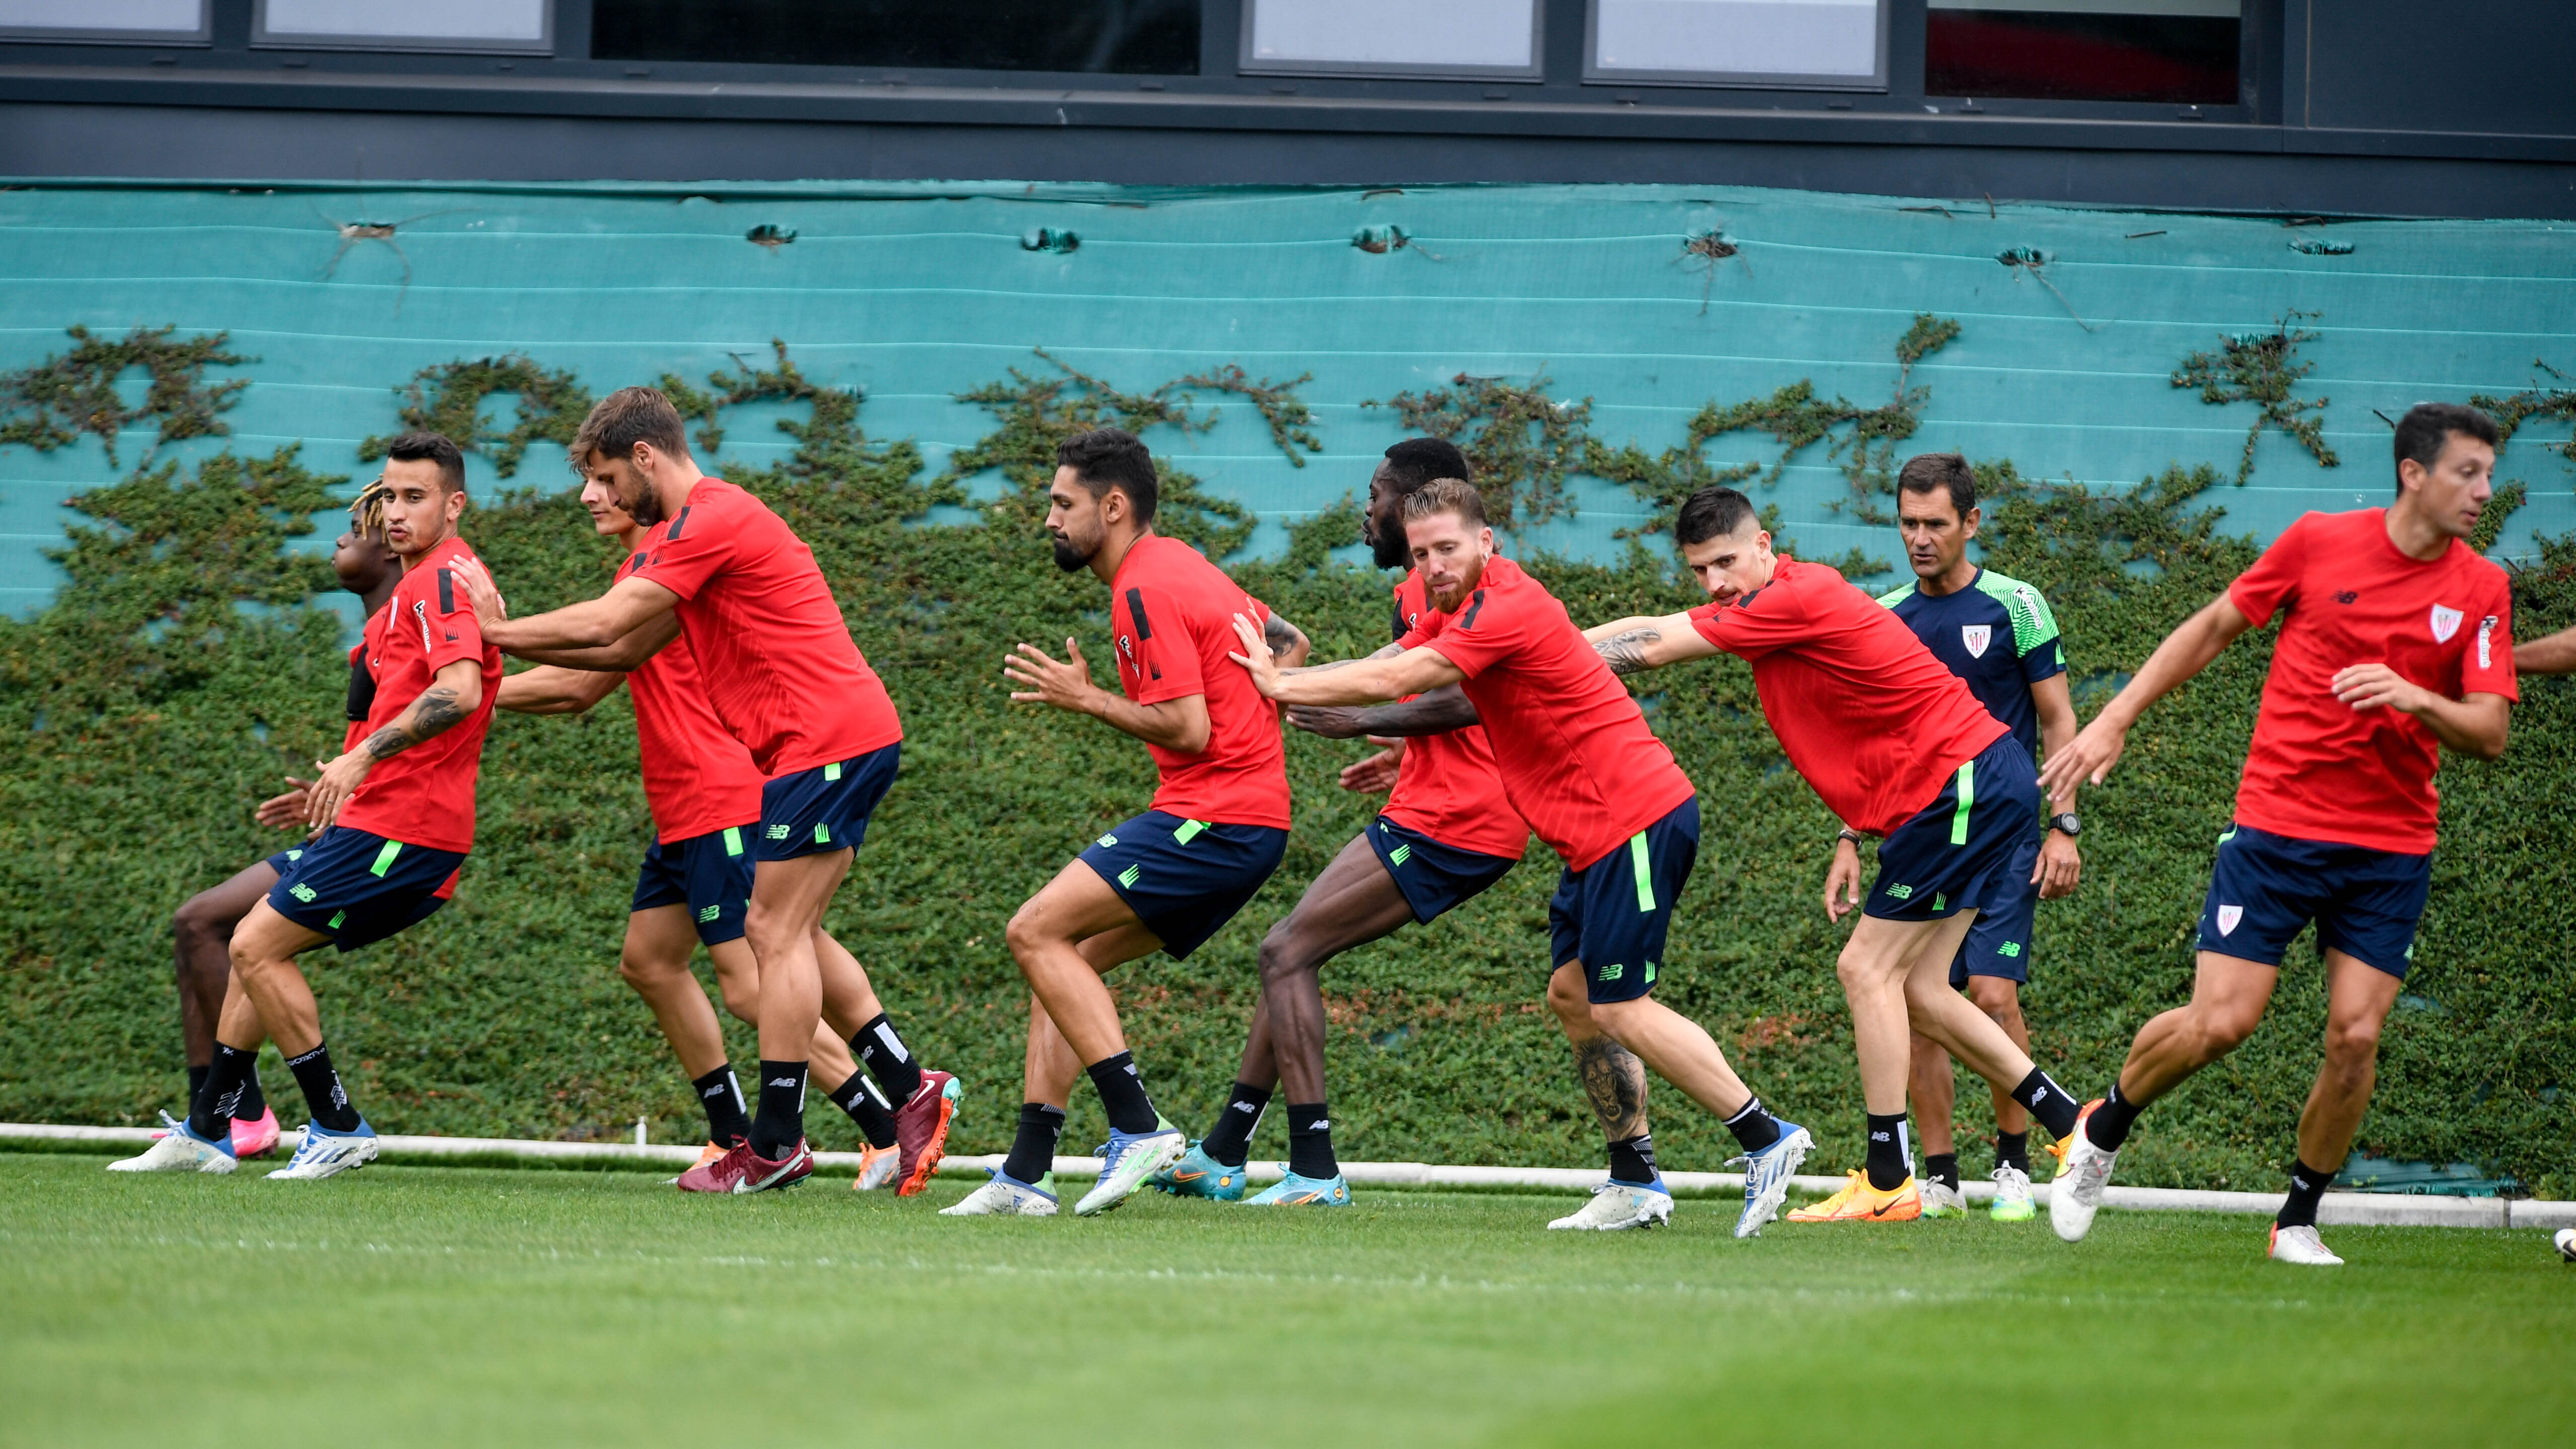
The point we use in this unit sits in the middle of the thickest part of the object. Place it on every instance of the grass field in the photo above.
(408, 1305)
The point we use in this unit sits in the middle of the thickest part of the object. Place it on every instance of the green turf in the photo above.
(461, 1306)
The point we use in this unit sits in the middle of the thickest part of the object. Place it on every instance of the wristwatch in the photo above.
(2065, 823)
(1850, 834)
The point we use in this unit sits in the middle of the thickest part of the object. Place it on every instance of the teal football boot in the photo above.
(1295, 1191)
(1199, 1175)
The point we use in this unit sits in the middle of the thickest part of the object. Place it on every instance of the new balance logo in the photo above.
(1612, 973)
(709, 913)
(778, 832)
(302, 892)
(1900, 892)
(1881, 1137)
(785, 1082)
(2037, 1096)
(1244, 1107)
(1128, 877)
(1400, 854)
(2346, 596)
(1319, 1125)
(2009, 948)
(1108, 840)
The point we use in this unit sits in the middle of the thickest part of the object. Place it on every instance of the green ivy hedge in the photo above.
(145, 709)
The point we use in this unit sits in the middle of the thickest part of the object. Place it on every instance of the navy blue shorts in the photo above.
(358, 888)
(825, 808)
(285, 860)
(710, 874)
(1433, 877)
(1956, 852)
(2265, 888)
(1185, 879)
(1613, 914)
(1998, 941)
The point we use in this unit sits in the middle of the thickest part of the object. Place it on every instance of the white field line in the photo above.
(2338, 1209)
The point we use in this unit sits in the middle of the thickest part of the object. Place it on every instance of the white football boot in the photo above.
(2301, 1245)
(180, 1150)
(1618, 1206)
(2076, 1193)
(1941, 1200)
(1007, 1198)
(326, 1153)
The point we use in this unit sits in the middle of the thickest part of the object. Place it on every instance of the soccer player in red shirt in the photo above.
(1167, 879)
(695, 884)
(203, 927)
(2396, 642)
(399, 816)
(1898, 747)
(781, 672)
(1580, 766)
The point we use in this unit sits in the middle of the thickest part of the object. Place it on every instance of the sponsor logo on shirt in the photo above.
(2486, 642)
(2446, 622)
(2346, 596)
(2228, 916)
(1976, 637)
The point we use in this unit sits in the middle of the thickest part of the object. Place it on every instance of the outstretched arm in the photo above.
(2185, 652)
(1638, 643)
(1350, 681)
(1436, 713)
(2549, 654)
(551, 690)
(2474, 726)
(623, 657)
(454, 693)
(628, 606)
(1175, 724)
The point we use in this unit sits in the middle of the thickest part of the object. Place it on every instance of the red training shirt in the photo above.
(425, 795)
(780, 669)
(362, 691)
(2318, 768)
(1446, 786)
(1173, 614)
(1576, 758)
(697, 778)
(1872, 720)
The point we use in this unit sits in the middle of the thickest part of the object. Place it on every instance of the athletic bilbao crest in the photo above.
(2446, 622)
(2228, 916)
(1977, 637)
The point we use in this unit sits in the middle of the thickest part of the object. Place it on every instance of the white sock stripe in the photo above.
(893, 1043)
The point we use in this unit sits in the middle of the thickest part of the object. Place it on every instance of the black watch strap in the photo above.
(2066, 822)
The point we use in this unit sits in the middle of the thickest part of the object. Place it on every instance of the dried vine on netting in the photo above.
(1797, 418)
(2553, 399)
(1522, 444)
(449, 399)
(783, 383)
(53, 402)
(2261, 368)
(835, 466)
(1292, 426)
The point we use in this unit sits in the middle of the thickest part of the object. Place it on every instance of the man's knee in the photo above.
(2223, 1027)
(1999, 997)
(1570, 997)
(1283, 955)
(2352, 1041)
(1028, 931)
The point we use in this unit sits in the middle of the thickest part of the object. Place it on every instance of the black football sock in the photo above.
(1033, 1150)
(2307, 1185)
(858, 1097)
(1755, 1129)
(720, 1092)
(2109, 1125)
(2012, 1149)
(254, 1100)
(197, 1085)
(1943, 1168)
(888, 1059)
(781, 1123)
(1633, 1160)
(1310, 1141)
(1891, 1153)
(1229, 1142)
(2053, 1105)
(323, 1093)
(1122, 1092)
(212, 1116)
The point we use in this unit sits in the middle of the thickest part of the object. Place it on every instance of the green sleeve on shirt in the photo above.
(2033, 625)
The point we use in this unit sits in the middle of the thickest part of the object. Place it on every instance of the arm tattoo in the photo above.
(433, 714)
(1279, 634)
(1625, 652)
(1615, 1081)
(1436, 712)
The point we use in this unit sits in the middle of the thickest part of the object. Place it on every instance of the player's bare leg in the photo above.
(2358, 999)
(202, 933)
(1681, 1051)
(1933, 1089)
(787, 901)
(919, 1103)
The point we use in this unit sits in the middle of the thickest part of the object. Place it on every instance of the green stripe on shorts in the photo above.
(733, 840)
(1645, 872)
(385, 857)
(336, 918)
(1967, 798)
(1188, 832)
(831, 772)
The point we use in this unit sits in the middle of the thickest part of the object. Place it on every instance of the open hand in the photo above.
(2369, 686)
(1256, 657)
(287, 811)
(480, 591)
(2086, 759)
(1044, 680)
(340, 779)
(1376, 774)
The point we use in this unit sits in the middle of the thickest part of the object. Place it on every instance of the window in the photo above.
(1824, 44)
(1493, 38)
(140, 22)
(514, 26)
(1119, 37)
(2181, 51)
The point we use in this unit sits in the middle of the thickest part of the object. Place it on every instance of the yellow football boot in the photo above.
(1859, 1202)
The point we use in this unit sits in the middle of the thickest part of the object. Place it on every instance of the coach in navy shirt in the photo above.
(1997, 634)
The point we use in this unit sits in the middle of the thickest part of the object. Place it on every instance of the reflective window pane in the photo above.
(1398, 37)
(1758, 41)
(1120, 37)
(466, 24)
(103, 19)
(2181, 51)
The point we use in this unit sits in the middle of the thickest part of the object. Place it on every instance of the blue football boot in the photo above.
(1199, 1175)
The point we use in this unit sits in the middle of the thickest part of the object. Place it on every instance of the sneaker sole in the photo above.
(1100, 1199)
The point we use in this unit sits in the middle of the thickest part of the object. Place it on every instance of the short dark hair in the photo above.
(1711, 513)
(1940, 472)
(1416, 461)
(435, 448)
(2427, 428)
(624, 418)
(1106, 458)
(1446, 495)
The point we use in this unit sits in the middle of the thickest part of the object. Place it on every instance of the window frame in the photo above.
(204, 34)
(1248, 65)
(1595, 74)
(261, 38)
